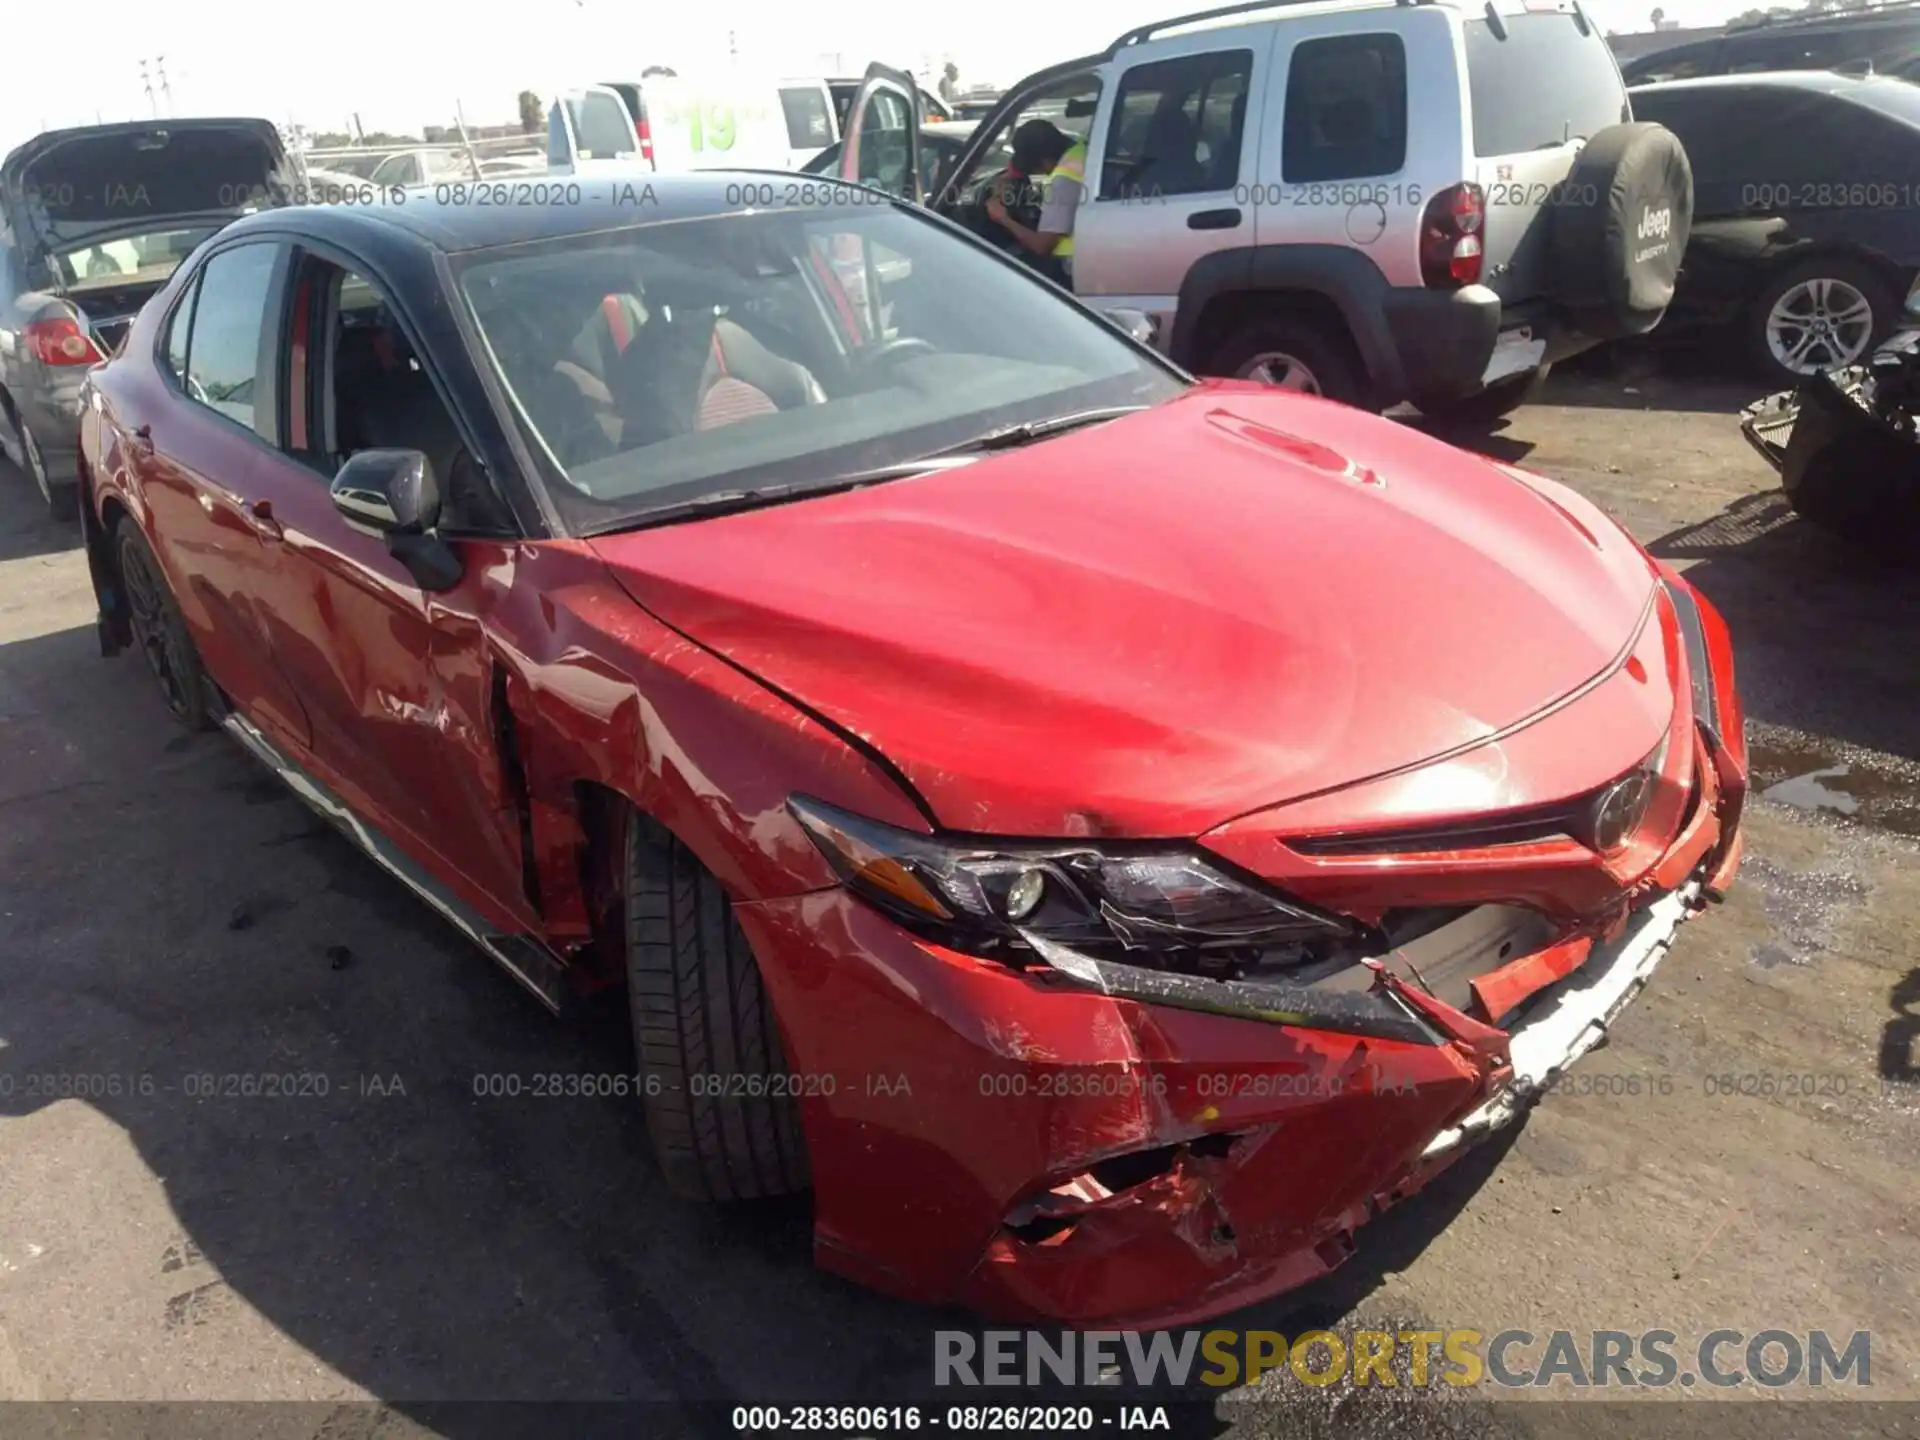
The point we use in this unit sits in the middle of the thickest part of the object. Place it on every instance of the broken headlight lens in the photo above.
(975, 892)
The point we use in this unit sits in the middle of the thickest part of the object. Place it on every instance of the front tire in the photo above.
(1826, 312)
(159, 629)
(1291, 352)
(721, 1104)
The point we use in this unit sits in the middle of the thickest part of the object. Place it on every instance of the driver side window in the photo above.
(358, 383)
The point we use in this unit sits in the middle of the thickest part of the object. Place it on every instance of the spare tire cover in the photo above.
(1619, 227)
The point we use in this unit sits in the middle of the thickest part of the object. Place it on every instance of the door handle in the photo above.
(260, 514)
(1214, 220)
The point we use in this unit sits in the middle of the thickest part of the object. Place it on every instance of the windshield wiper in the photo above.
(726, 502)
(1025, 433)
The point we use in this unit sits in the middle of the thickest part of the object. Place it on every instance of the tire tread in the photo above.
(700, 1009)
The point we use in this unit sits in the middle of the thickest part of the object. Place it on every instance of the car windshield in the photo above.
(128, 258)
(362, 166)
(666, 363)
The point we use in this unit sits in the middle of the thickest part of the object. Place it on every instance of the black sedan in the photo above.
(1806, 192)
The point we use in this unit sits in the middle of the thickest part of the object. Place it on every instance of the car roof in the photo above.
(1825, 82)
(541, 207)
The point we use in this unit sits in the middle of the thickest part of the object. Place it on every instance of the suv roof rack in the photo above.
(1825, 17)
(1134, 37)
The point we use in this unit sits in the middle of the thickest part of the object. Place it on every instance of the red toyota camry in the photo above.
(1105, 834)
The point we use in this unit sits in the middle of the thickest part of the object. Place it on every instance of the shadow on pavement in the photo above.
(1824, 636)
(26, 530)
(1694, 374)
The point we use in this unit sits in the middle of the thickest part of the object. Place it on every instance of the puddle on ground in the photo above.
(1806, 791)
(1799, 773)
(1800, 903)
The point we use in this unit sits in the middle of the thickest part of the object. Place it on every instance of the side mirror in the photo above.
(392, 495)
(1136, 323)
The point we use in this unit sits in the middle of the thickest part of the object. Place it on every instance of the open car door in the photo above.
(591, 129)
(882, 144)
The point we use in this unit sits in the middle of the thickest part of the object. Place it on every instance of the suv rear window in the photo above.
(1346, 116)
(809, 124)
(1543, 85)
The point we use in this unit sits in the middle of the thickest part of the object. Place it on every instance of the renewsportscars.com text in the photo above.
(1513, 1359)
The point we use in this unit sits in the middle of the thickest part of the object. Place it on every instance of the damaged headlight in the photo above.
(975, 892)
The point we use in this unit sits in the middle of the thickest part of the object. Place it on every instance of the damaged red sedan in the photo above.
(1105, 834)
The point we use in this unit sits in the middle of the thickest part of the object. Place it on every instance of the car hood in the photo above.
(99, 179)
(1150, 627)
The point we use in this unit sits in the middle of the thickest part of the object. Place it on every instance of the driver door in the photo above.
(882, 145)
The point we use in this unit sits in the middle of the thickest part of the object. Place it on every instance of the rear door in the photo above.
(882, 143)
(589, 130)
(202, 450)
(1540, 84)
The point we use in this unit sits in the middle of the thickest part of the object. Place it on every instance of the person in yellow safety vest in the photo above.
(1049, 156)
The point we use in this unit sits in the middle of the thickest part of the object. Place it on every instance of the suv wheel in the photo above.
(720, 1106)
(1290, 353)
(1827, 312)
(62, 501)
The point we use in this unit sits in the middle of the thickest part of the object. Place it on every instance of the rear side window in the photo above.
(177, 328)
(1681, 63)
(556, 136)
(1346, 116)
(809, 122)
(1543, 85)
(1180, 126)
(602, 127)
(1751, 54)
(229, 318)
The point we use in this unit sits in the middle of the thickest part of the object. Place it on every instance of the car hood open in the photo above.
(1149, 627)
(101, 179)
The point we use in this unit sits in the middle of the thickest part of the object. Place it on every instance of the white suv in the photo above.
(1372, 200)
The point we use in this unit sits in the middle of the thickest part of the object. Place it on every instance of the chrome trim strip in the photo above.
(550, 991)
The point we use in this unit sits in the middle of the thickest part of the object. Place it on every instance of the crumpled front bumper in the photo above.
(1046, 1147)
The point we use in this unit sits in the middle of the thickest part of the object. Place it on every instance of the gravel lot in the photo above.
(169, 912)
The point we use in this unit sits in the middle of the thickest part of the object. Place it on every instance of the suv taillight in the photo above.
(1451, 253)
(644, 132)
(61, 341)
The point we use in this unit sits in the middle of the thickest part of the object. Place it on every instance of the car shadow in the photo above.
(1694, 373)
(1898, 1062)
(26, 530)
(1824, 635)
(350, 1125)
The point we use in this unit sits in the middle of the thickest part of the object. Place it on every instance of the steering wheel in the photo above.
(888, 351)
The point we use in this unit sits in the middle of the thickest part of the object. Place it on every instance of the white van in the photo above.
(668, 123)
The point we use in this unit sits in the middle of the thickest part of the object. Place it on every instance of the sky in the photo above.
(402, 64)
